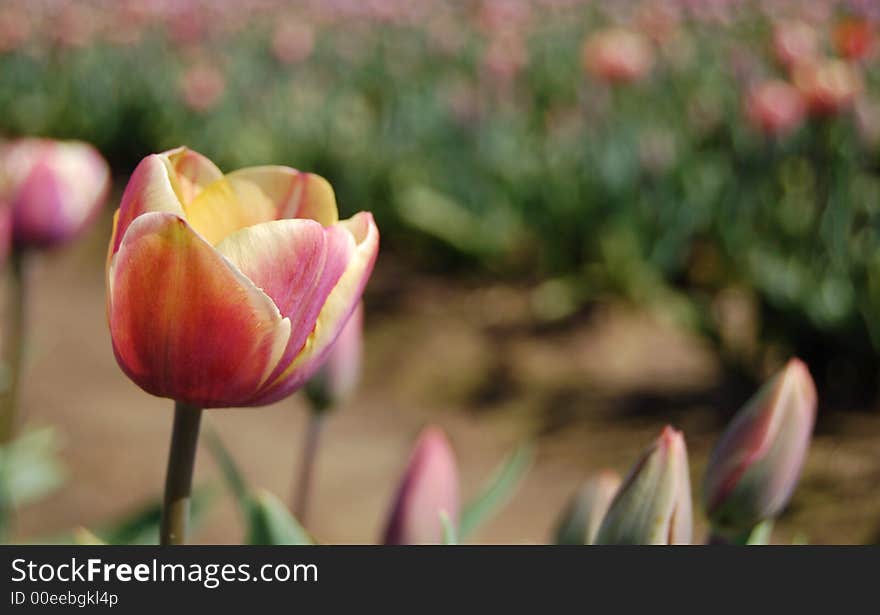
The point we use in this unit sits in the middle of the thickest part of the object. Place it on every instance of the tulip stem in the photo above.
(303, 489)
(14, 346)
(178, 479)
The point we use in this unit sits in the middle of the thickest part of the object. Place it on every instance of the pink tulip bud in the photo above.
(617, 55)
(55, 189)
(581, 520)
(428, 487)
(338, 377)
(653, 507)
(794, 42)
(293, 42)
(775, 108)
(755, 466)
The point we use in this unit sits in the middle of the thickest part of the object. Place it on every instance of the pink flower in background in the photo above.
(202, 87)
(229, 290)
(653, 506)
(5, 233)
(828, 86)
(853, 38)
(775, 107)
(340, 373)
(795, 42)
(429, 487)
(618, 55)
(54, 188)
(15, 28)
(293, 41)
(756, 464)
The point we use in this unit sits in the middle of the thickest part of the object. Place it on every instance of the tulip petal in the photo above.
(335, 311)
(193, 172)
(149, 189)
(185, 322)
(260, 194)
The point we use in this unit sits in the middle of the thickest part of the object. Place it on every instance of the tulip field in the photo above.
(400, 272)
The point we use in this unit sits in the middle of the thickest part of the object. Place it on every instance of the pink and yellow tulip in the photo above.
(428, 488)
(55, 188)
(229, 290)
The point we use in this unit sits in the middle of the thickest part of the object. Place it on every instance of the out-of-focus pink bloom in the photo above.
(55, 188)
(293, 41)
(828, 86)
(795, 42)
(15, 29)
(202, 86)
(867, 114)
(504, 58)
(338, 377)
(229, 290)
(755, 466)
(581, 519)
(659, 20)
(429, 487)
(853, 38)
(775, 107)
(76, 25)
(618, 55)
(5, 233)
(503, 16)
(653, 506)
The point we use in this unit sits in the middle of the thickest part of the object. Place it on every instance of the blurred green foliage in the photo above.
(480, 141)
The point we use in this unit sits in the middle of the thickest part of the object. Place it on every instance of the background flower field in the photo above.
(573, 251)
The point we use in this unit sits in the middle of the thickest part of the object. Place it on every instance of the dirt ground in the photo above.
(464, 355)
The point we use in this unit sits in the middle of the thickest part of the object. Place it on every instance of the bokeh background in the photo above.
(597, 218)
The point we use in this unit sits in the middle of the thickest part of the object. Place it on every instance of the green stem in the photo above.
(178, 479)
(14, 346)
(303, 489)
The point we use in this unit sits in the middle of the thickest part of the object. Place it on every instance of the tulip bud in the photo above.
(428, 487)
(617, 55)
(853, 38)
(794, 42)
(581, 520)
(339, 375)
(775, 107)
(55, 188)
(756, 464)
(653, 507)
(829, 86)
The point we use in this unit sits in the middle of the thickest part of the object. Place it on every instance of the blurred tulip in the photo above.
(653, 506)
(617, 55)
(755, 466)
(794, 42)
(775, 107)
(853, 38)
(202, 87)
(429, 487)
(829, 86)
(582, 517)
(293, 42)
(229, 290)
(5, 233)
(337, 378)
(15, 28)
(55, 189)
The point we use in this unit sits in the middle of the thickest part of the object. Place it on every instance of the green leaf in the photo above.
(272, 524)
(229, 469)
(760, 534)
(497, 491)
(29, 467)
(450, 535)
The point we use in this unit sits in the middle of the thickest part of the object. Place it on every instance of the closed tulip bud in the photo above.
(618, 55)
(755, 466)
(775, 108)
(829, 86)
(229, 290)
(429, 487)
(794, 42)
(853, 38)
(338, 377)
(653, 506)
(55, 189)
(581, 520)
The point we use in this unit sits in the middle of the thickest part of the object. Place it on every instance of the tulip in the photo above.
(794, 42)
(775, 108)
(5, 234)
(829, 86)
(202, 86)
(654, 504)
(293, 42)
(229, 290)
(55, 189)
(428, 488)
(581, 520)
(755, 466)
(853, 38)
(617, 55)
